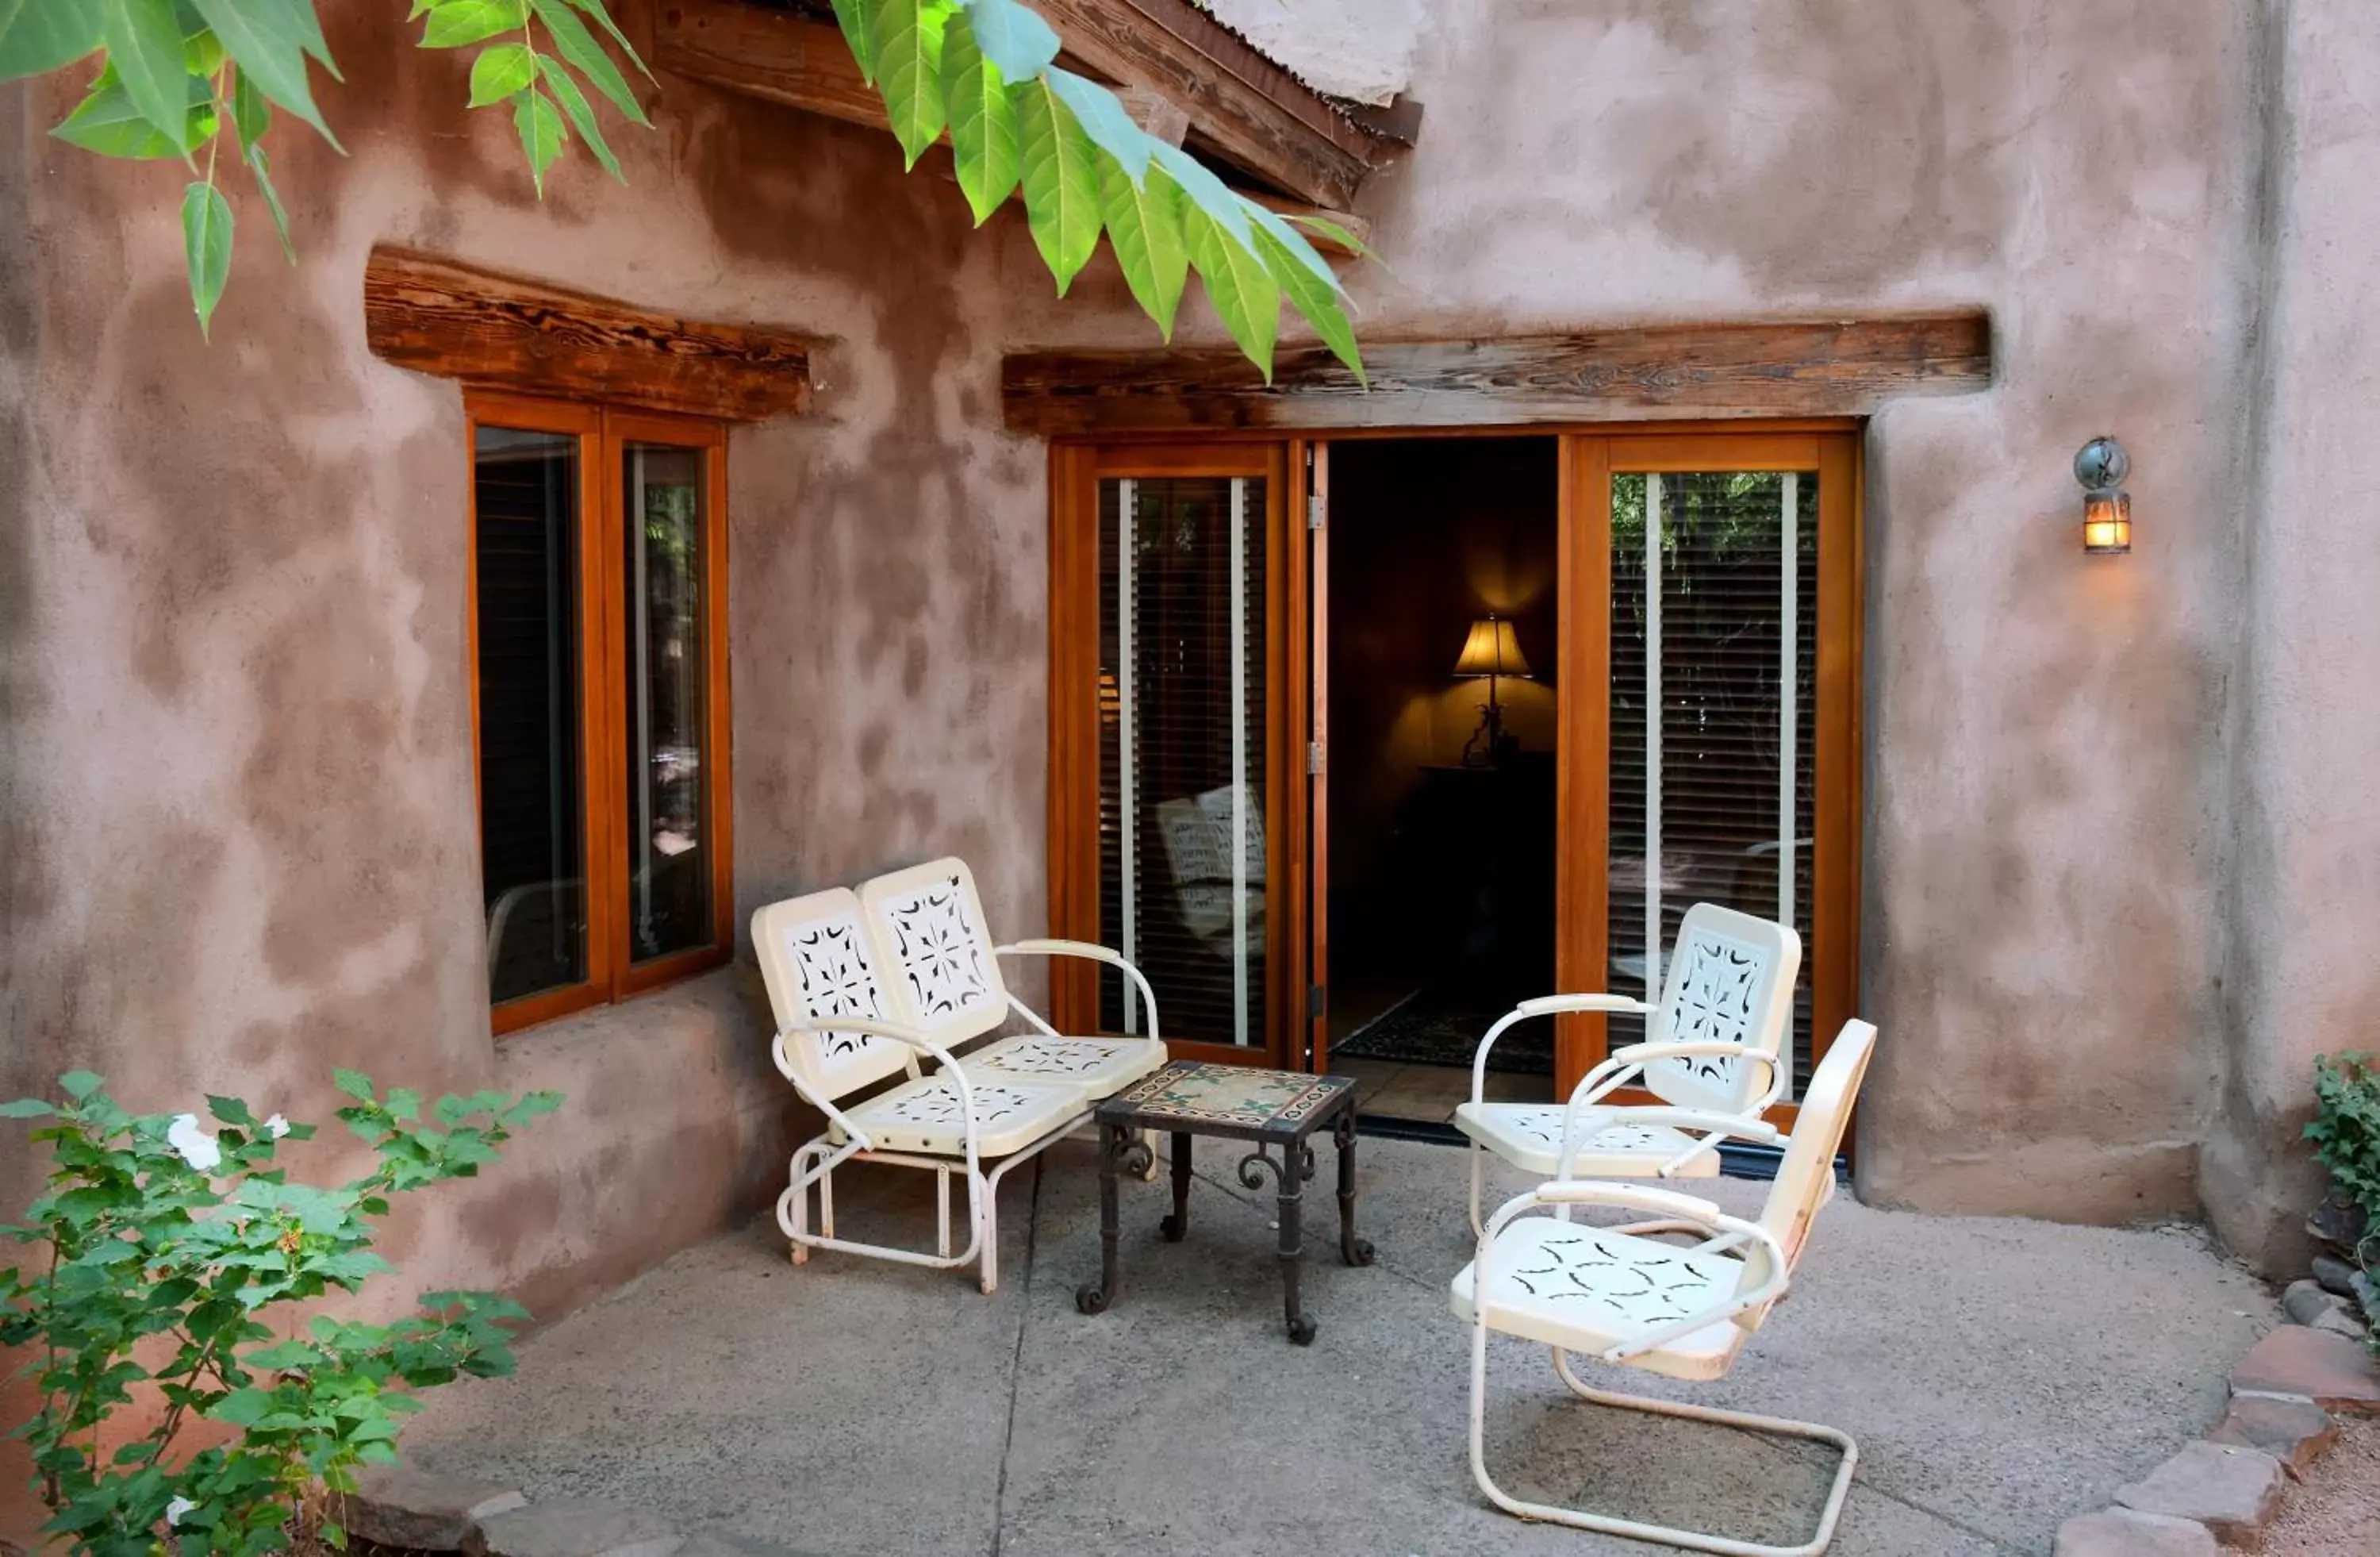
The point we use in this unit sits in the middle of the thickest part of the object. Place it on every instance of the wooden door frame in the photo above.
(1590, 452)
(1076, 471)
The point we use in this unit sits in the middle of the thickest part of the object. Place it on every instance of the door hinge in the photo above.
(1317, 509)
(1315, 996)
(1313, 757)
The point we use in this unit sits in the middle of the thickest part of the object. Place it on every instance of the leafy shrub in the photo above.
(2346, 1128)
(160, 1249)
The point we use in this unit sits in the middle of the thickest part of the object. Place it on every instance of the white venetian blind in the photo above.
(1182, 752)
(1714, 665)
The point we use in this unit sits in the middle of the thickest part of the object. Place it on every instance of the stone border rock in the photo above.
(398, 1506)
(2221, 1491)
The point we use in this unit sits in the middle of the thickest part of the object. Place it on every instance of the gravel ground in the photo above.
(2337, 1513)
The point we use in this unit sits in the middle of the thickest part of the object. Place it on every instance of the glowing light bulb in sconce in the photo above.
(2101, 467)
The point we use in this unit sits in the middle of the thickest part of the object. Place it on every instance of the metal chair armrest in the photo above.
(1046, 947)
(1543, 1005)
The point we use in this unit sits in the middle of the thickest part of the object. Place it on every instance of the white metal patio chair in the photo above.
(841, 1028)
(1713, 1054)
(1624, 1296)
(933, 942)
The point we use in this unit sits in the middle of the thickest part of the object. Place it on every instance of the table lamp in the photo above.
(1494, 651)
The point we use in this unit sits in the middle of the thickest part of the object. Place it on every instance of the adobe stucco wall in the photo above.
(2118, 878)
(237, 830)
(2048, 787)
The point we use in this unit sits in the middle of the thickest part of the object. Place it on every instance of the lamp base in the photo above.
(1490, 746)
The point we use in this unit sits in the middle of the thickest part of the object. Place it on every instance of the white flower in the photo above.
(276, 1127)
(197, 1148)
(179, 1506)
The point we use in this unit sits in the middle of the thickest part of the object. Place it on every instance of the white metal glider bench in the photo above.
(1623, 1297)
(889, 980)
(1712, 1054)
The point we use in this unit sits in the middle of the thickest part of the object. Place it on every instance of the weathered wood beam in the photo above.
(1772, 369)
(505, 332)
(767, 54)
(1247, 107)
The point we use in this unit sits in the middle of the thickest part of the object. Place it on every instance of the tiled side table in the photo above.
(1279, 1110)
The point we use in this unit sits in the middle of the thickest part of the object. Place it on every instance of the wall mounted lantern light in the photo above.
(2107, 508)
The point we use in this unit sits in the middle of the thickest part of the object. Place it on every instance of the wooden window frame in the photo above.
(602, 431)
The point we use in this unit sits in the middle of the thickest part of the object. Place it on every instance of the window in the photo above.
(600, 702)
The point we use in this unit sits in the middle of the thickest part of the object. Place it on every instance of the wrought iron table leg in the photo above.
(1175, 1226)
(1353, 1249)
(1291, 1178)
(1094, 1300)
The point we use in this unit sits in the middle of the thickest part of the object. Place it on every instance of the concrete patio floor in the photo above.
(2000, 1376)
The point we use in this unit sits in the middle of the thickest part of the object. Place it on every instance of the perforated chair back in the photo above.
(1730, 981)
(819, 962)
(936, 950)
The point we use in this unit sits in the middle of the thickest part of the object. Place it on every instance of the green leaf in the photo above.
(1318, 303)
(579, 47)
(206, 243)
(80, 1084)
(541, 134)
(1206, 192)
(983, 121)
(1336, 232)
(252, 113)
(858, 19)
(458, 23)
(270, 39)
(1012, 37)
(1144, 231)
(144, 46)
(1243, 293)
(1293, 242)
(909, 73)
(333, 1537)
(1061, 181)
(354, 1083)
(582, 117)
(106, 122)
(1102, 117)
(27, 1107)
(501, 70)
(36, 36)
(603, 20)
(242, 1409)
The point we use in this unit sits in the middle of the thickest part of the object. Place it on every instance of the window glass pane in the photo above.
(532, 823)
(1714, 716)
(666, 690)
(1182, 705)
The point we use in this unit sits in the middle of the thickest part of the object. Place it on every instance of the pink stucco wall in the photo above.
(2120, 872)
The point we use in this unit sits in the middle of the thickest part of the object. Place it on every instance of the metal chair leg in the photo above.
(1660, 1535)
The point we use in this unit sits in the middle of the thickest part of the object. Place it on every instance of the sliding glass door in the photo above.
(1182, 565)
(1716, 720)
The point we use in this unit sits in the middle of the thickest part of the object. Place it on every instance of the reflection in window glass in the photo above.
(532, 794)
(669, 831)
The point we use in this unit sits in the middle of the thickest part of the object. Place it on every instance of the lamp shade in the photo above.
(1491, 650)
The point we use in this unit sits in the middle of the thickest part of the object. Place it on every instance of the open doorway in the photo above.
(1443, 641)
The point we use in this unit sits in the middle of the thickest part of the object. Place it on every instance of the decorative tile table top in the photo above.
(1190, 1093)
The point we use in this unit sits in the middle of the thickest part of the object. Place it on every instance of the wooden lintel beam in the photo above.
(1807, 368)
(1161, 51)
(767, 54)
(1249, 108)
(487, 328)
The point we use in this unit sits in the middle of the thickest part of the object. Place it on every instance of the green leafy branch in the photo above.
(175, 73)
(985, 71)
(163, 1241)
